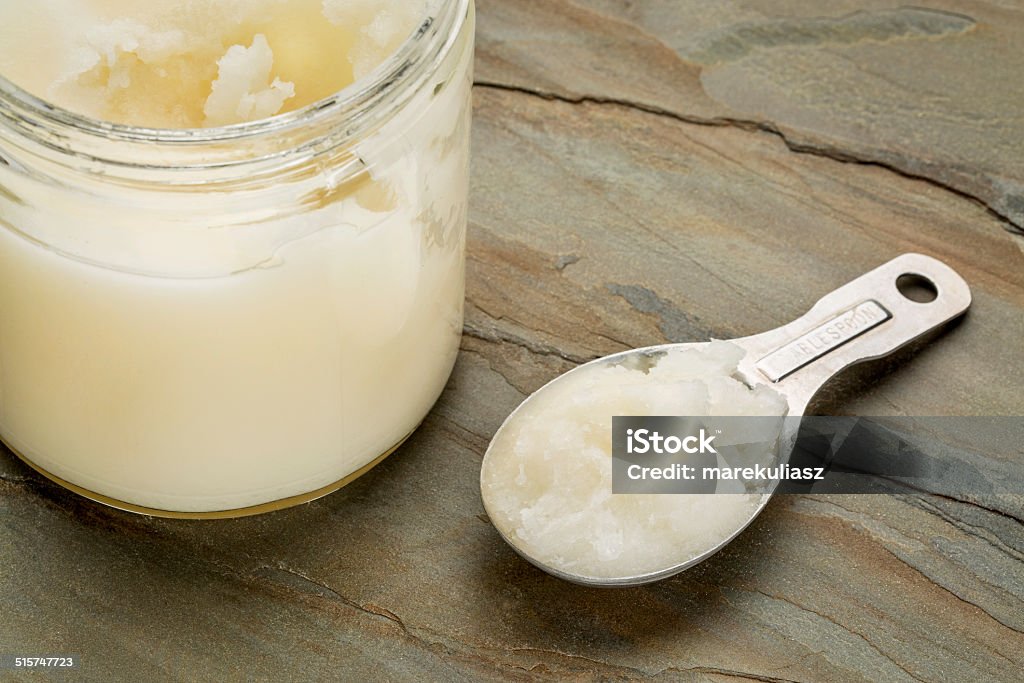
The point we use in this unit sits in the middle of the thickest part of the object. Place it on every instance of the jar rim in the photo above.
(63, 130)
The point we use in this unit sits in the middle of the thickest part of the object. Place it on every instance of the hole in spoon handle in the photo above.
(867, 318)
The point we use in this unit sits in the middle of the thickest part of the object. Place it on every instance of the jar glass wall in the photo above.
(209, 320)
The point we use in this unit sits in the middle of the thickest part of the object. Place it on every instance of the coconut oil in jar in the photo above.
(231, 241)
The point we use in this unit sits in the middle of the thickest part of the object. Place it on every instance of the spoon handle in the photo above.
(867, 318)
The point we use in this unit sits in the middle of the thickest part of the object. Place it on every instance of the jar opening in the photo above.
(28, 120)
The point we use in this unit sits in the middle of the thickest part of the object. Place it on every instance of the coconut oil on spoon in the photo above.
(546, 479)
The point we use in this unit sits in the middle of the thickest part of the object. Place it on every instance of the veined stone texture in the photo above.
(643, 172)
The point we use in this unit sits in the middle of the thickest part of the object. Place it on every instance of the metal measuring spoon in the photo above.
(868, 318)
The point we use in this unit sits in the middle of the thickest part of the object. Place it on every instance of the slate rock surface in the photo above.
(643, 172)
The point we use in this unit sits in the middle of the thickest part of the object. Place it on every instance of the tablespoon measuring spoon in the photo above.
(868, 318)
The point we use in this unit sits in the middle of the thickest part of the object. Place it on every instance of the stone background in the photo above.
(643, 172)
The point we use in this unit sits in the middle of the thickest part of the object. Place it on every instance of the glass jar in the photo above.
(217, 322)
